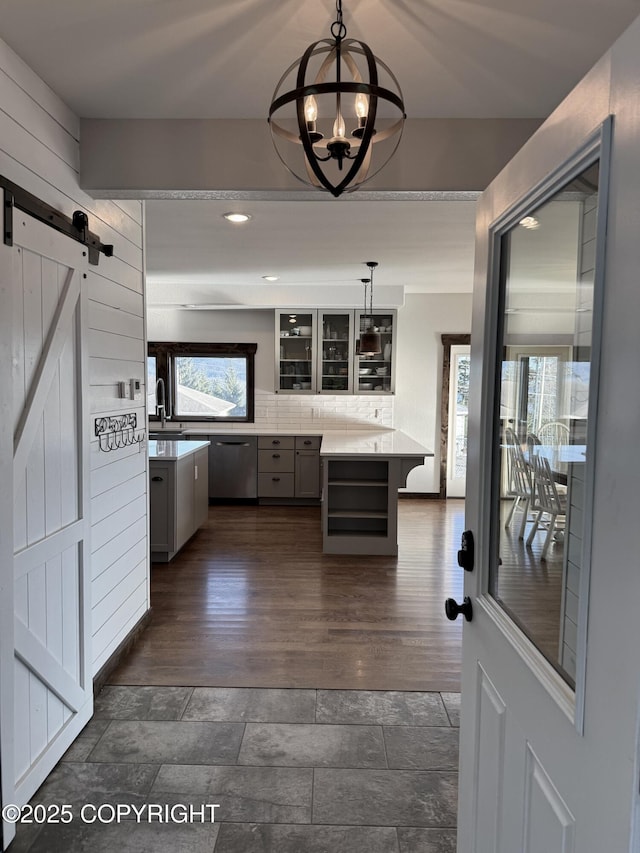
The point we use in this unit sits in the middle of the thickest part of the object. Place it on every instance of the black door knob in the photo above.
(453, 609)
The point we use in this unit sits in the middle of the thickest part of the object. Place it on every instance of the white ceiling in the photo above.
(223, 58)
(197, 256)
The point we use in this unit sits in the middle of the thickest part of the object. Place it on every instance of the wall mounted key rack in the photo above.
(117, 432)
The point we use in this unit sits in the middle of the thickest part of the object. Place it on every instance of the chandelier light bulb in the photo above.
(362, 105)
(310, 108)
(338, 126)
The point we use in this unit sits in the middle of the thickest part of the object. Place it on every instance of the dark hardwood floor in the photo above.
(251, 601)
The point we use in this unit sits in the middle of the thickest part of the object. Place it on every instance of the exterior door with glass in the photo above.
(458, 419)
(549, 709)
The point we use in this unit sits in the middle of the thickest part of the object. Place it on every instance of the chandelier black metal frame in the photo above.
(325, 155)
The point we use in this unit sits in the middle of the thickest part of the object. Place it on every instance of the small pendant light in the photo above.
(370, 342)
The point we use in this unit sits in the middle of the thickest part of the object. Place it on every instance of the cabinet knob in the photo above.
(157, 479)
(307, 441)
(276, 479)
(275, 441)
(275, 456)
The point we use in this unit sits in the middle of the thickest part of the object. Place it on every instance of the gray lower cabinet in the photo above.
(178, 502)
(307, 467)
(288, 468)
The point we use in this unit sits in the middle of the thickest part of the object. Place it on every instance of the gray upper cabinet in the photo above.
(336, 349)
(296, 349)
(375, 374)
(316, 352)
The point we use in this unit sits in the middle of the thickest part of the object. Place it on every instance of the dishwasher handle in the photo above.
(232, 444)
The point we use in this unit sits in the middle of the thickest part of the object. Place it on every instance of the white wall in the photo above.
(415, 408)
(421, 323)
(39, 150)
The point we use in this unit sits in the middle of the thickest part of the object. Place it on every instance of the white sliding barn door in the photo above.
(45, 657)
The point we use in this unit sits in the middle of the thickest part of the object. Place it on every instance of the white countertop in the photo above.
(369, 443)
(365, 442)
(173, 450)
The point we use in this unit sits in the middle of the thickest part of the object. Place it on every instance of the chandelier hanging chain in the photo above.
(338, 29)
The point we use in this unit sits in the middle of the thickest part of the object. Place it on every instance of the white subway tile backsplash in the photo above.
(293, 413)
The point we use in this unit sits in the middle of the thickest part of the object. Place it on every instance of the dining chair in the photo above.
(520, 486)
(554, 433)
(549, 506)
(532, 441)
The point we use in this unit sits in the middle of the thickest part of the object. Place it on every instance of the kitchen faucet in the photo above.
(161, 402)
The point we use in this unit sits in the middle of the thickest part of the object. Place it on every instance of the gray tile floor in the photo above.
(291, 771)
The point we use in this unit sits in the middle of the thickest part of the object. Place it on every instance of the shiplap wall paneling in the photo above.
(39, 150)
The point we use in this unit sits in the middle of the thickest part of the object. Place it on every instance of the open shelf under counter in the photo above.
(357, 483)
(352, 513)
(362, 474)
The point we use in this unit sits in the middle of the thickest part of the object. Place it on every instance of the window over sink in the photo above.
(202, 381)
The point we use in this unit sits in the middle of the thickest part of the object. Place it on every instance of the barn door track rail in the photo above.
(76, 227)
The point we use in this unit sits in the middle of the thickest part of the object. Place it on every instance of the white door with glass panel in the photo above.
(549, 736)
(459, 372)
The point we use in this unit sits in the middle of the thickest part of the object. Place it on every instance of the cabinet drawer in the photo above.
(275, 460)
(283, 442)
(275, 485)
(308, 442)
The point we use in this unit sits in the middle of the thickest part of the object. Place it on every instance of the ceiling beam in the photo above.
(179, 158)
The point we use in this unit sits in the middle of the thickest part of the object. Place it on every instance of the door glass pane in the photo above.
(336, 332)
(547, 270)
(296, 352)
(375, 372)
(458, 421)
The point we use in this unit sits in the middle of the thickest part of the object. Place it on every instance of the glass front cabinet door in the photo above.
(296, 350)
(335, 351)
(375, 374)
(317, 352)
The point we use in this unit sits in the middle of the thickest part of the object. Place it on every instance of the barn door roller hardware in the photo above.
(76, 227)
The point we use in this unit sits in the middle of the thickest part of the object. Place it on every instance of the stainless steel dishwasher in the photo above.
(233, 467)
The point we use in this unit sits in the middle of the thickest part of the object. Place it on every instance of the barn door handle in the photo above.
(453, 609)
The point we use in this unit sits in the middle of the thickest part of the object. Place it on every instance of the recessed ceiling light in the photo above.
(271, 277)
(530, 222)
(237, 217)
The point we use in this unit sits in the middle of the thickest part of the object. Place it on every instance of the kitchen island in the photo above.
(178, 494)
(362, 472)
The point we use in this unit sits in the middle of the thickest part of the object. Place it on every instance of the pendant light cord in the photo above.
(372, 265)
(365, 281)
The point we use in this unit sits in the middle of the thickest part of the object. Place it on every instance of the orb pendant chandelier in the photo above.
(344, 101)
